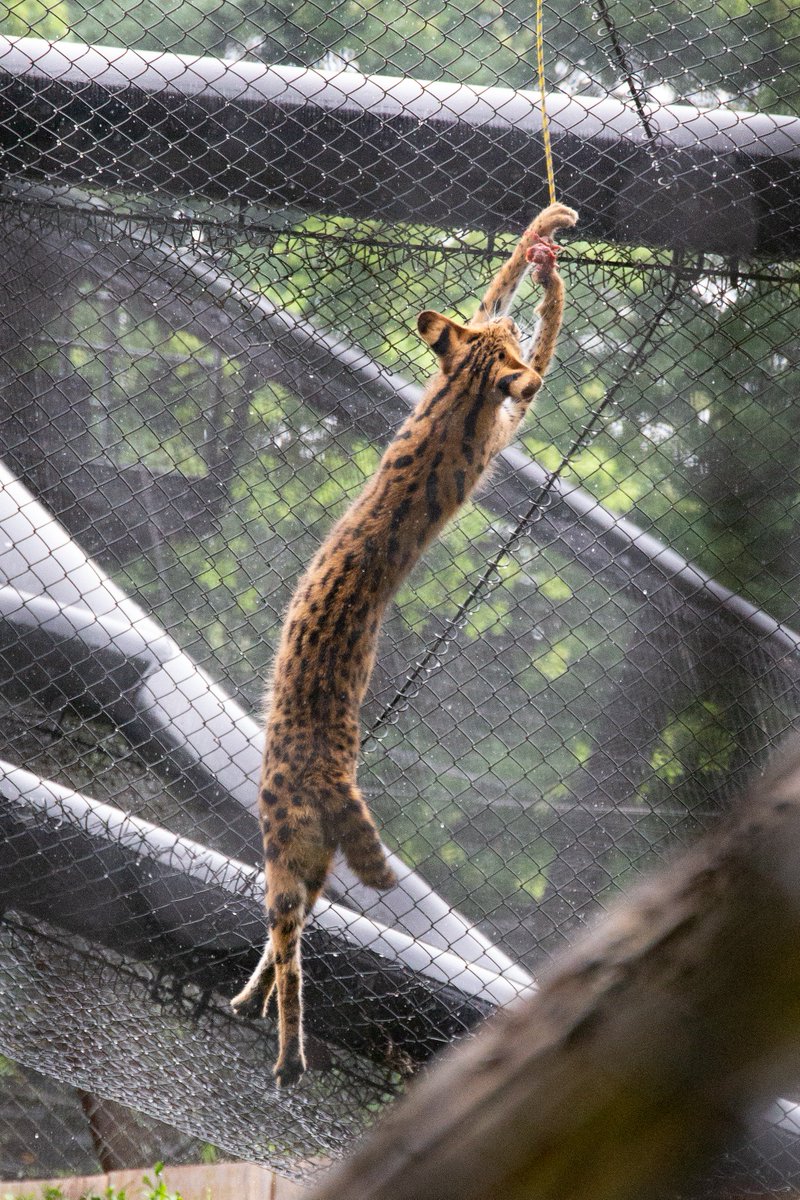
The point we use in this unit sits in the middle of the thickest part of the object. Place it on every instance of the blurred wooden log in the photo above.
(647, 1045)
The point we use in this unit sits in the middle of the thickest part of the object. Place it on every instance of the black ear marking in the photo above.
(442, 343)
(424, 321)
(440, 333)
(435, 330)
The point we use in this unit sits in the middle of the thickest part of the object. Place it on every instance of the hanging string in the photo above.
(548, 149)
(432, 659)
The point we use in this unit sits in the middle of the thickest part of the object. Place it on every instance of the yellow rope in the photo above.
(548, 151)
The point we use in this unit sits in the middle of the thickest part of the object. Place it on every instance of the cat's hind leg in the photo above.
(260, 984)
(290, 897)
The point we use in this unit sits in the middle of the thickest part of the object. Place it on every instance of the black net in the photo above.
(218, 222)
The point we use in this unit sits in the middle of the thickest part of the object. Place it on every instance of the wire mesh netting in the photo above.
(219, 221)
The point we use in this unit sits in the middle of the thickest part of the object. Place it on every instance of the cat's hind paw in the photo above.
(290, 1066)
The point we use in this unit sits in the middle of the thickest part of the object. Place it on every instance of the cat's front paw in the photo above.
(555, 216)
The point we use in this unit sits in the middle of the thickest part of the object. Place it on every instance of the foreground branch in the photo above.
(646, 1046)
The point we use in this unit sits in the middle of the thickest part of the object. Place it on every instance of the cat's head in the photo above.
(489, 354)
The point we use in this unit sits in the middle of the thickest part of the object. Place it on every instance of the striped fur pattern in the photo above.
(309, 801)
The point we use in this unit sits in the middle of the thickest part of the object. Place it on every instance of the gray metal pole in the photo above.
(404, 149)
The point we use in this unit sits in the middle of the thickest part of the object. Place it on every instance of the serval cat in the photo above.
(309, 801)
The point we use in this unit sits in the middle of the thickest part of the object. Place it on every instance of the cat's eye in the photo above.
(501, 355)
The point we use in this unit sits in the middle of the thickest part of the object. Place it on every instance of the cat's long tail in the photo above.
(360, 843)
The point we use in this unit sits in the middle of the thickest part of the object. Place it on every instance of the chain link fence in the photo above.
(218, 223)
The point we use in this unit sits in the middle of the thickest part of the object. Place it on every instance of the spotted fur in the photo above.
(309, 801)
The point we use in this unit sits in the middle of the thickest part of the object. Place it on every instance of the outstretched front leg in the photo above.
(541, 255)
(500, 293)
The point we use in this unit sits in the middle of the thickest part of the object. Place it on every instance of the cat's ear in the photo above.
(441, 334)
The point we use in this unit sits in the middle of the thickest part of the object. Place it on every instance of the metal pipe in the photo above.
(447, 154)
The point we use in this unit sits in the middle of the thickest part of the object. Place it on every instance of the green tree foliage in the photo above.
(36, 18)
